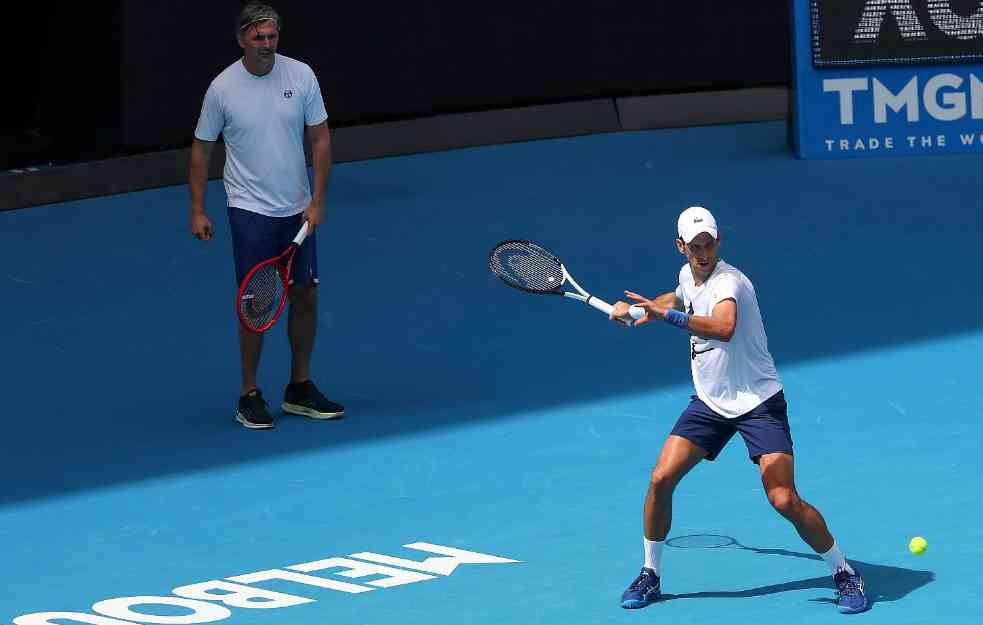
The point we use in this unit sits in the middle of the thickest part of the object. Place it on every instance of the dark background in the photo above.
(102, 79)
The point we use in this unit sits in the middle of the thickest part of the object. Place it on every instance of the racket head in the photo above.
(527, 266)
(701, 541)
(262, 296)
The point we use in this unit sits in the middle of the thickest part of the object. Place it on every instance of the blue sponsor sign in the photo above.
(887, 77)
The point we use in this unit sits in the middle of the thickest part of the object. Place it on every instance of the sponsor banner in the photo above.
(887, 77)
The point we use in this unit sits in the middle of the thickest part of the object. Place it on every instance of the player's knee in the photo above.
(662, 481)
(785, 500)
(302, 295)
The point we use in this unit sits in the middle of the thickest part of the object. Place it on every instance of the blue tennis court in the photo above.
(497, 446)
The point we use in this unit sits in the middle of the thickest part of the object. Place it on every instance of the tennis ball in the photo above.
(918, 545)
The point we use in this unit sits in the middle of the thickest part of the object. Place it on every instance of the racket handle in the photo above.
(299, 239)
(606, 308)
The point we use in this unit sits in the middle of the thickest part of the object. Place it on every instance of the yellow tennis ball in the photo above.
(918, 545)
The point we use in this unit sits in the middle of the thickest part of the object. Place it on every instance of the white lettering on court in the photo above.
(210, 601)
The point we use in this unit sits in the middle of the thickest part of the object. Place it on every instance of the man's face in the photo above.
(258, 43)
(701, 253)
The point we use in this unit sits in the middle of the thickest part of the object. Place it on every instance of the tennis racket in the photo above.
(262, 295)
(532, 268)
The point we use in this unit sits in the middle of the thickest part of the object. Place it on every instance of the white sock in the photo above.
(653, 554)
(836, 561)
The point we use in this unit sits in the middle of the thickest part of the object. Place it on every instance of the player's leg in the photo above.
(250, 350)
(302, 396)
(778, 479)
(301, 329)
(251, 243)
(698, 434)
(677, 458)
(777, 476)
(768, 437)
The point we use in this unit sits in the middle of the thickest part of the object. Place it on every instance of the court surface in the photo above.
(487, 420)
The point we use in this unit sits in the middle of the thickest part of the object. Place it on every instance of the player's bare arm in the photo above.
(720, 325)
(319, 136)
(201, 152)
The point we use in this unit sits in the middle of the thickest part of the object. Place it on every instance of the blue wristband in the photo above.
(676, 318)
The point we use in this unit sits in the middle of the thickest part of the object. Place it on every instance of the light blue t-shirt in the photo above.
(262, 119)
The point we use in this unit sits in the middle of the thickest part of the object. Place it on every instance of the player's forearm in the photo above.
(666, 300)
(321, 157)
(198, 178)
(710, 328)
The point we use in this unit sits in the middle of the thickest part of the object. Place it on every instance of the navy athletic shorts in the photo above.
(257, 237)
(765, 429)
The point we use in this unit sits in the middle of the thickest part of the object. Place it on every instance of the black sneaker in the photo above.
(252, 411)
(303, 398)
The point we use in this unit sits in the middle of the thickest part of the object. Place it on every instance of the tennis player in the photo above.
(737, 390)
(262, 105)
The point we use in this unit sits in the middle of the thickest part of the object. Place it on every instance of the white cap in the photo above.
(695, 220)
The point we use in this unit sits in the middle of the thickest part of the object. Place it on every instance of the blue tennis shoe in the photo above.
(850, 597)
(644, 590)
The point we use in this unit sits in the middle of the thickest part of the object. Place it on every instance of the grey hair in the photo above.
(255, 12)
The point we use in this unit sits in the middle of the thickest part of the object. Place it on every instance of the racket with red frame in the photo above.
(262, 295)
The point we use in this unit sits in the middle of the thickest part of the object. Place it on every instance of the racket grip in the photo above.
(601, 305)
(606, 308)
(304, 230)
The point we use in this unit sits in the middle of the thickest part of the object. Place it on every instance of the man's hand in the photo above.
(201, 226)
(314, 214)
(653, 311)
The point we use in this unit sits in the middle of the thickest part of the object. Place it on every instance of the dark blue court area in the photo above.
(496, 448)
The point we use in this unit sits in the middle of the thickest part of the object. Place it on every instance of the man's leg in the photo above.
(677, 457)
(301, 330)
(777, 476)
(251, 411)
(250, 348)
(302, 395)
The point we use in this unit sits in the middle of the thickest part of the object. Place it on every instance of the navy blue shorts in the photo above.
(765, 429)
(257, 237)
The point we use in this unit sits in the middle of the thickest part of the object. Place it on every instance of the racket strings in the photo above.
(526, 266)
(261, 296)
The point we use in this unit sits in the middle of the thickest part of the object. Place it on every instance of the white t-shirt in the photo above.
(732, 377)
(262, 119)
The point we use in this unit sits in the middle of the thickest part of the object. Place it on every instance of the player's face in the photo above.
(701, 253)
(258, 43)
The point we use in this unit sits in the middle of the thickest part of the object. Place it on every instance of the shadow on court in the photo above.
(882, 583)
(122, 362)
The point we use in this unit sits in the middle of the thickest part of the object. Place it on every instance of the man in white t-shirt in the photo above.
(737, 390)
(262, 105)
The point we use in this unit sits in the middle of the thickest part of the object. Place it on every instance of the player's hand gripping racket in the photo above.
(262, 295)
(532, 268)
